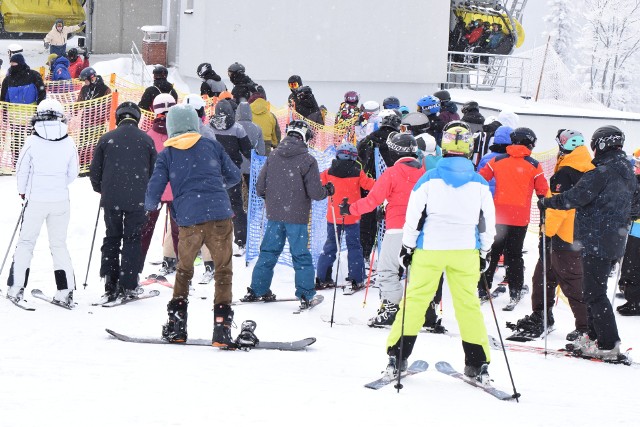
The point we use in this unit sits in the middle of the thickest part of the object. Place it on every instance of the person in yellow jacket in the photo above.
(564, 265)
(266, 120)
(56, 39)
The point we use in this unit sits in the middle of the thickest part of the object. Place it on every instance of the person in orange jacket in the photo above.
(563, 252)
(348, 178)
(517, 175)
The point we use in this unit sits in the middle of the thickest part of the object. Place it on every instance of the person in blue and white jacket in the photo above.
(449, 226)
(47, 164)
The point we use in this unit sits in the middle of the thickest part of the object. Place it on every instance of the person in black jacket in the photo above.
(602, 198)
(120, 170)
(243, 86)
(307, 106)
(94, 86)
(294, 82)
(212, 84)
(22, 85)
(472, 116)
(160, 85)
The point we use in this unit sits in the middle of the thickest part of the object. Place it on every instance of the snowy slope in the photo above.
(59, 367)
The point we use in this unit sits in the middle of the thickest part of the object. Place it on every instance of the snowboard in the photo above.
(262, 345)
(119, 301)
(156, 279)
(37, 293)
(447, 369)
(415, 368)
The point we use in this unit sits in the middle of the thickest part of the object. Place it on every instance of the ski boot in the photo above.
(352, 287)
(306, 304)
(247, 339)
(320, 285)
(391, 371)
(168, 266)
(64, 297)
(129, 294)
(386, 315)
(252, 297)
(478, 373)
(207, 276)
(15, 293)
(629, 309)
(222, 321)
(175, 330)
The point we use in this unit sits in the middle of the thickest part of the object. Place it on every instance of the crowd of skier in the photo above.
(454, 193)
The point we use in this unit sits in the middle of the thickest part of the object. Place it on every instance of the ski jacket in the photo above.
(347, 112)
(394, 186)
(474, 35)
(309, 109)
(517, 175)
(60, 69)
(22, 85)
(234, 139)
(448, 112)
(474, 119)
(159, 86)
(59, 38)
(450, 208)
(200, 173)
(46, 167)
(366, 150)
(121, 166)
(500, 142)
(212, 85)
(158, 133)
(436, 125)
(94, 90)
(603, 199)
(482, 141)
(76, 67)
(254, 133)
(267, 122)
(288, 181)
(559, 224)
(347, 178)
(243, 88)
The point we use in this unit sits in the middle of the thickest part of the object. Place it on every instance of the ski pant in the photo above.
(276, 233)
(630, 274)
(602, 321)
(122, 266)
(391, 288)
(56, 215)
(240, 216)
(147, 233)
(218, 237)
(462, 268)
(509, 240)
(354, 256)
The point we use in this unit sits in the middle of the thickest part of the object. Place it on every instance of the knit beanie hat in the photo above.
(18, 59)
(182, 118)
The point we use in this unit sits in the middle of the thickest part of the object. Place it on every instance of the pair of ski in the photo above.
(104, 301)
(445, 368)
(37, 293)
(156, 279)
(315, 301)
(563, 352)
(358, 322)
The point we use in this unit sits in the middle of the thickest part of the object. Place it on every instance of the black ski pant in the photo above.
(122, 265)
(239, 215)
(602, 322)
(509, 240)
(630, 274)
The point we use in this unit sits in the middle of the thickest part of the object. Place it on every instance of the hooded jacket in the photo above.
(347, 178)
(60, 69)
(559, 224)
(23, 85)
(158, 133)
(288, 181)
(76, 67)
(200, 172)
(243, 118)
(262, 117)
(121, 166)
(94, 90)
(394, 186)
(47, 164)
(474, 119)
(159, 86)
(309, 109)
(212, 85)
(603, 200)
(448, 111)
(517, 175)
(234, 139)
(450, 208)
(243, 87)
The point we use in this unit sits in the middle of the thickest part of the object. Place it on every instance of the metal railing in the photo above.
(485, 71)
(139, 68)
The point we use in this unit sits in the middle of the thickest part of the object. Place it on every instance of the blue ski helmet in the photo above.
(429, 105)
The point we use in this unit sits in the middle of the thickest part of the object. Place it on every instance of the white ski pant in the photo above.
(388, 265)
(56, 215)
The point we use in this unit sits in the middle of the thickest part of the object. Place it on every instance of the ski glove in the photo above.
(406, 253)
(330, 189)
(46, 45)
(485, 260)
(345, 207)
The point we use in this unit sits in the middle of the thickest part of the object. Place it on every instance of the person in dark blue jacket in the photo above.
(603, 198)
(200, 172)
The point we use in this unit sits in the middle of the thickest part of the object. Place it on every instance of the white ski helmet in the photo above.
(162, 103)
(49, 109)
(14, 48)
(194, 100)
(371, 107)
(427, 144)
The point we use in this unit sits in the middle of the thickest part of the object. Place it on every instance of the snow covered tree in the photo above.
(561, 26)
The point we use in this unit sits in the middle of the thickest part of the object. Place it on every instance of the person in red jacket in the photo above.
(517, 175)
(394, 186)
(77, 64)
(348, 178)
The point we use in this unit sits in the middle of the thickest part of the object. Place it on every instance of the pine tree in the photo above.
(561, 24)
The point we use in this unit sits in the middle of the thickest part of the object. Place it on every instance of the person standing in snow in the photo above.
(244, 118)
(199, 171)
(348, 109)
(603, 199)
(471, 115)
(243, 86)
(294, 82)
(56, 39)
(212, 84)
(160, 85)
(120, 169)
(263, 117)
(484, 139)
(307, 106)
(47, 164)
(288, 182)
(448, 109)
(94, 86)
(77, 64)
(449, 226)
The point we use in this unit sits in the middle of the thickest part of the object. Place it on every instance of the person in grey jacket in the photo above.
(244, 118)
(288, 182)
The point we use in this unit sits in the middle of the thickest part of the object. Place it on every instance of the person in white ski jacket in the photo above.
(47, 164)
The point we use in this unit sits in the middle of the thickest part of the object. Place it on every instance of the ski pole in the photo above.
(515, 394)
(13, 235)
(339, 247)
(619, 273)
(93, 241)
(366, 289)
(544, 280)
(399, 385)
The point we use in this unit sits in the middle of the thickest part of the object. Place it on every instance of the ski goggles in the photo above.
(457, 137)
(294, 85)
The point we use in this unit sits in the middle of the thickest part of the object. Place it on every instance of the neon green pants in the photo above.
(462, 269)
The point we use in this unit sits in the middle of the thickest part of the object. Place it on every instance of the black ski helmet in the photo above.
(523, 136)
(87, 74)
(72, 54)
(391, 103)
(128, 110)
(606, 138)
(469, 106)
(160, 72)
(443, 95)
(204, 69)
(391, 120)
(401, 145)
(236, 68)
